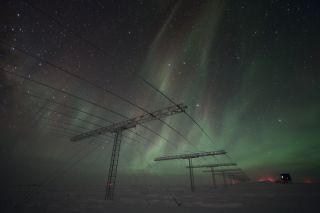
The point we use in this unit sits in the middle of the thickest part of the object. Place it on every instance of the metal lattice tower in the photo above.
(212, 166)
(118, 129)
(231, 173)
(214, 182)
(189, 157)
(191, 175)
(112, 174)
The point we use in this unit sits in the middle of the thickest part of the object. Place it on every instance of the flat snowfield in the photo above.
(249, 197)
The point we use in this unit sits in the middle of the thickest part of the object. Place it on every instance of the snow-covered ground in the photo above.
(249, 197)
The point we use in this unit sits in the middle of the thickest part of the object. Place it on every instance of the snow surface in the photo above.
(248, 197)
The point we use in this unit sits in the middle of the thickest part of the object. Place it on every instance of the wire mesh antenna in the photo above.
(99, 87)
(78, 36)
(79, 110)
(81, 99)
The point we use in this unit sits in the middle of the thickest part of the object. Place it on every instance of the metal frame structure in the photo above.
(189, 157)
(118, 128)
(212, 166)
(113, 166)
(232, 173)
(237, 176)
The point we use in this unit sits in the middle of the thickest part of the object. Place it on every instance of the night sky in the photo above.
(247, 70)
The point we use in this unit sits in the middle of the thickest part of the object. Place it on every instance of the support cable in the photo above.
(170, 100)
(77, 35)
(79, 110)
(97, 87)
(80, 98)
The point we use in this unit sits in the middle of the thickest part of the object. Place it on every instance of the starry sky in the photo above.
(247, 70)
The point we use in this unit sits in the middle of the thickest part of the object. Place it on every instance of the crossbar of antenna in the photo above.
(239, 174)
(130, 123)
(213, 165)
(224, 170)
(191, 155)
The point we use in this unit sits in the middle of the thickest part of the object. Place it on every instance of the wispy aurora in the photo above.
(247, 70)
(177, 63)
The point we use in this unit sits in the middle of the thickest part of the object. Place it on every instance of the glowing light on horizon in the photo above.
(267, 179)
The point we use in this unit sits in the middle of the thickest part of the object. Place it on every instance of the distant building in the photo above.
(285, 178)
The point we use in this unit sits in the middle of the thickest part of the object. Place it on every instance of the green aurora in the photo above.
(249, 79)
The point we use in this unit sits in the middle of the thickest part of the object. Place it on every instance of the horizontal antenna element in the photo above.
(130, 123)
(213, 165)
(191, 155)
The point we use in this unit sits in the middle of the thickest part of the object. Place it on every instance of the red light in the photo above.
(267, 179)
(307, 181)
